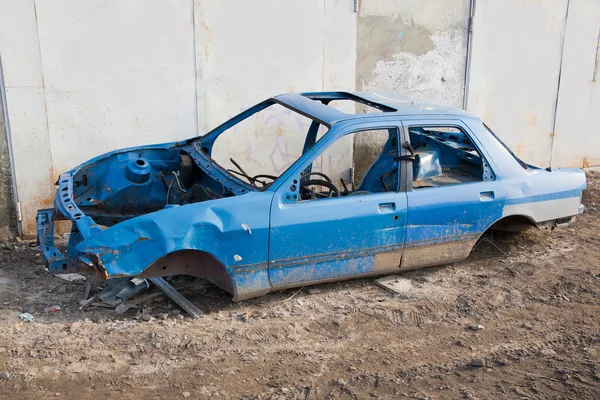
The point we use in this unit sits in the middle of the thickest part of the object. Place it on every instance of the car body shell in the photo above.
(253, 242)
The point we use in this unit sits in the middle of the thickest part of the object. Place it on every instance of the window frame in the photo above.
(286, 196)
(445, 123)
(204, 144)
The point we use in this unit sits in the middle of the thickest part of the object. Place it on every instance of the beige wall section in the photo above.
(414, 47)
(26, 107)
(515, 68)
(576, 140)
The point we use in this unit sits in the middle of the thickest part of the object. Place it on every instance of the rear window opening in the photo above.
(444, 155)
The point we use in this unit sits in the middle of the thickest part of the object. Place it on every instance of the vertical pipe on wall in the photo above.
(555, 111)
(468, 59)
(10, 148)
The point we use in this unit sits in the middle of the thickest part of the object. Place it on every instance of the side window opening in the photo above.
(359, 163)
(444, 155)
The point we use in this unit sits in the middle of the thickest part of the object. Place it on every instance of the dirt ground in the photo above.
(536, 294)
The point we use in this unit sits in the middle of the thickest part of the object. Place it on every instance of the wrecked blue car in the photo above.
(302, 189)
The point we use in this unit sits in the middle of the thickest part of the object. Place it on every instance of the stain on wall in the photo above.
(408, 48)
(412, 48)
(8, 219)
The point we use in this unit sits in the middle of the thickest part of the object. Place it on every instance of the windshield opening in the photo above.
(262, 146)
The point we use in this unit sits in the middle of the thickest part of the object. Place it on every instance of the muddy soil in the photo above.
(536, 295)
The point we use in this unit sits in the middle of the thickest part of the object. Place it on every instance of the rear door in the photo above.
(452, 193)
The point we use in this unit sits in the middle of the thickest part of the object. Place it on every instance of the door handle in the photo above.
(387, 207)
(486, 196)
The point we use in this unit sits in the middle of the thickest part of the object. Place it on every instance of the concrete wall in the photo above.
(87, 77)
(285, 46)
(577, 139)
(413, 46)
(533, 80)
(515, 69)
(26, 99)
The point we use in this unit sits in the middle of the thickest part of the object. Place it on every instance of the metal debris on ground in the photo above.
(86, 293)
(71, 277)
(26, 317)
(127, 305)
(177, 297)
(395, 284)
(119, 290)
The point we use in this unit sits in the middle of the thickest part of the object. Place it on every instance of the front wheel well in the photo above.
(196, 263)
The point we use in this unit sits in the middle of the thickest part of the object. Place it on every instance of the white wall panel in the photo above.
(86, 77)
(515, 69)
(26, 107)
(577, 136)
(117, 74)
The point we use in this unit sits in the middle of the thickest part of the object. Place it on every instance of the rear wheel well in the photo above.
(513, 223)
(196, 263)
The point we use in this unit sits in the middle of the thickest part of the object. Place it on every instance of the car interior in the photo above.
(443, 156)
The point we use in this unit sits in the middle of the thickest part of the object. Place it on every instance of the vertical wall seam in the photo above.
(37, 29)
(323, 38)
(469, 55)
(555, 111)
(596, 59)
(195, 67)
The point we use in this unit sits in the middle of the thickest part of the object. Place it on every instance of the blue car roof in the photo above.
(313, 104)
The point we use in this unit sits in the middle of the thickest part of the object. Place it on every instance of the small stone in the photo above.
(314, 291)
(61, 290)
(527, 326)
(4, 375)
(521, 393)
(179, 316)
(146, 317)
(163, 316)
(341, 382)
(547, 352)
(175, 311)
(186, 394)
(263, 315)
(478, 362)
(476, 327)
